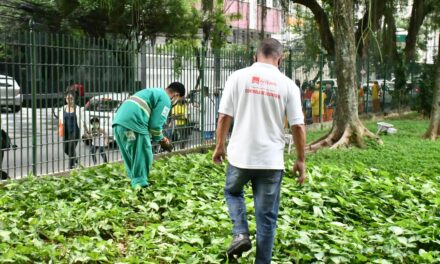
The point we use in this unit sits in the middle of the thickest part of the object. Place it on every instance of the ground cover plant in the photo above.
(377, 205)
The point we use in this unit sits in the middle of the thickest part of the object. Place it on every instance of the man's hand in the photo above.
(300, 168)
(166, 144)
(223, 125)
(219, 155)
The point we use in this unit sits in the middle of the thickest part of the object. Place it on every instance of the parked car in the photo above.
(104, 108)
(10, 94)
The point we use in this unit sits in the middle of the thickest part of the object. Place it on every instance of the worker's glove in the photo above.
(166, 144)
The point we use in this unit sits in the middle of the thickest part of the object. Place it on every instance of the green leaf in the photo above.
(298, 201)
(154, 206)
(5, 235)
(317, 211)
(396, 230)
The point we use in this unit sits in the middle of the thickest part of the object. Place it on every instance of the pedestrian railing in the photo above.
(37, 69)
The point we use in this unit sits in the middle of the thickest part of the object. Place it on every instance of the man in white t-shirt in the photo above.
(257, 99)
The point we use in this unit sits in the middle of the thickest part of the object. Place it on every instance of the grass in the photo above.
(405, 152)
(374, 205)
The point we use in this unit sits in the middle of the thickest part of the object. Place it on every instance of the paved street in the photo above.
(50, 157)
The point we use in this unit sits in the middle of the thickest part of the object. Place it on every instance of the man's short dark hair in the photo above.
(270, 47)
(178, 88)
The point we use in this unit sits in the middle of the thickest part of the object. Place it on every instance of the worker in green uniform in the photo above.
(138, 121)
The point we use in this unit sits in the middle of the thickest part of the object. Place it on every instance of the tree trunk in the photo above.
(347, 128)
(420, 9)
(434, 126)
(397, 59)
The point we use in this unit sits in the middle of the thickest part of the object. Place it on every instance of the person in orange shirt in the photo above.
(315, 103)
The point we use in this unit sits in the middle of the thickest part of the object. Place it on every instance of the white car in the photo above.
(10, 93)
(104, 108)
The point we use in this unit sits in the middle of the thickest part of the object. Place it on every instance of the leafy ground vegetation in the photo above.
(377, 205)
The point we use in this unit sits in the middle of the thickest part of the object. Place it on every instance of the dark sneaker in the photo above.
(241, 243)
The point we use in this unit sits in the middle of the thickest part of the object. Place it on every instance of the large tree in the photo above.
(433, 131)
(434, 126)
(338, 40)
(347, 127)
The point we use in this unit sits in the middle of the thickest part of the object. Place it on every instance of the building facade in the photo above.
(256, 17)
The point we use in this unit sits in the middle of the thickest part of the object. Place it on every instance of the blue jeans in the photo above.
(266, 191)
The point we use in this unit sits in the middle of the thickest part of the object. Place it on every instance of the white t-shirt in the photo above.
(258, 98)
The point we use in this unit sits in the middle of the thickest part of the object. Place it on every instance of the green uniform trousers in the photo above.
(137, 154)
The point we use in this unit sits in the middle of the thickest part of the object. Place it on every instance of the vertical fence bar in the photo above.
(34, 101)
(289, 64)
(368, 82)
(202, 94)
(43, 77)
(321, 62)
(412, 103)
(251, 56)
(384, 90)
(14, 114)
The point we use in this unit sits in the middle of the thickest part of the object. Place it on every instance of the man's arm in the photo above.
(299, 138)
(223, 125)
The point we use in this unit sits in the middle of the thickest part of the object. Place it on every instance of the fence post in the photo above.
(412, 103)
(251, 56)
(143, 53)
(289, 65)
(34, 97)
(136, 82)
(202, 94)
(385, 87)
(321, 61)
(368, 82)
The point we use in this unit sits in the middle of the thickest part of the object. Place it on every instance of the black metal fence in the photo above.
(36, 69)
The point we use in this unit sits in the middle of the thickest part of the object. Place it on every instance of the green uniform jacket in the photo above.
(145, 112)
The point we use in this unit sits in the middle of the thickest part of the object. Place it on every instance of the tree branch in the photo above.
(321, 19)
(389, 34)
(364, 26)
(420, 9)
